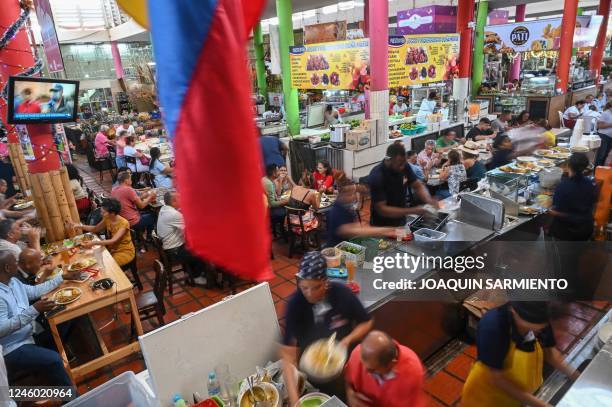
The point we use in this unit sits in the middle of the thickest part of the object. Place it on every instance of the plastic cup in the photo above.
(350, 267)
(400, 234)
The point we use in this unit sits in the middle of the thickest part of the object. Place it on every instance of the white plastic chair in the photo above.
(561, 122)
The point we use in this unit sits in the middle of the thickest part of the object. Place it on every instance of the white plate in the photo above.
(72, 300)
(526, 159)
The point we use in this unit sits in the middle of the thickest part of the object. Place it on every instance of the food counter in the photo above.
(538, 106)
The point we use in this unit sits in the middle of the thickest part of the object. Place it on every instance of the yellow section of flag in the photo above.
(137, 9)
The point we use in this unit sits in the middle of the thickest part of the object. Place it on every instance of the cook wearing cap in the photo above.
(474, 169)
(513, 341)
(316, 310)
(400, 107)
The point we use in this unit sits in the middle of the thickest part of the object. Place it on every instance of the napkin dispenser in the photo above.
(482, 211)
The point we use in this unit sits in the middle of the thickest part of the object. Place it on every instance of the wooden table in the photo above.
(91, 301)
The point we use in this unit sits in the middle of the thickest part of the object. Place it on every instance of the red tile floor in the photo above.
(443, 385)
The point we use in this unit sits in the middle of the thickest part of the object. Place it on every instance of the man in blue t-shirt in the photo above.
(273, 150)
(316, 310)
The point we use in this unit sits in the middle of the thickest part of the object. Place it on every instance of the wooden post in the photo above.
(62, 202)
(19, 165)
(41, 208)
(52, 205)
(74, 211)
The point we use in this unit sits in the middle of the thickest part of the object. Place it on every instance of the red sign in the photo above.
(51, 46)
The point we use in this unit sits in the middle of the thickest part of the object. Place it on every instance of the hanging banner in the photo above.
(416, 59)
(25, 142)
(275, 64)
(332, 65)
(325, 32)
(53, 53)
(539, 35)
(61, 143)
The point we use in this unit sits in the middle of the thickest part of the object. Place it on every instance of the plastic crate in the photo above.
(358, 258)
(370, 244)
(122, 391)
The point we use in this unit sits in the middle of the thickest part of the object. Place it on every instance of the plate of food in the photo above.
(52, 248)
(79, 240)
(67, 295)
(528, 210)
(561, 149)
(543, 152)
(529, 165)
(514, 170)
(82, 264)
(324, 359)
(546, 163)
(526, 159)
(313, 400)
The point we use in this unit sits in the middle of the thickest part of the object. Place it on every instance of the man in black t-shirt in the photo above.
(316, 310)
(389, 182)
(481, 131)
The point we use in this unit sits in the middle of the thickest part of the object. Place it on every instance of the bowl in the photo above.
(332, 256)
(580, 149)
(268, 389)
(319, 365)
(526, 159)
(312, 400)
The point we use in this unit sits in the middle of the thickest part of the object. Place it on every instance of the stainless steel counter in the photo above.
(594, 386)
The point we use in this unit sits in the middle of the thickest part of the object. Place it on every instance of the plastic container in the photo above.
(122, 390)
(332, 256)
(405, 132)
(370, 244)
(428, 235)
(358, 257)
(213, 385)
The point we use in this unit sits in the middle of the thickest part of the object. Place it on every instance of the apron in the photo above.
(523, 368)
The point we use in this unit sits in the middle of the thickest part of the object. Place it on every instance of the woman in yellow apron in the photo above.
(513, 341)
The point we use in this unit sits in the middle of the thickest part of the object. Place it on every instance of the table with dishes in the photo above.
(165, 148)
(81, 298)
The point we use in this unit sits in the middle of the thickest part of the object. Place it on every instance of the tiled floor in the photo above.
(443, 387)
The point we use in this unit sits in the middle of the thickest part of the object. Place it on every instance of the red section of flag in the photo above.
(218, 153)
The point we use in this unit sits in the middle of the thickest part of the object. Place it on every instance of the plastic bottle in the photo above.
(178, 401)
(214, 388)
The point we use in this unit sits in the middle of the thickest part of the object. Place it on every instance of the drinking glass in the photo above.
(350, 267)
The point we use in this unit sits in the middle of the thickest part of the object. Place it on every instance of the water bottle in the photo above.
(178, 401)
(214, 388)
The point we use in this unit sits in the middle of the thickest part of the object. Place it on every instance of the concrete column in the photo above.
(567, 41)
(260, 66)
(117, 59)
(515, 68)
(478, 61)
(465, 15)
(378, 27)
(597, 51)
(290, 95)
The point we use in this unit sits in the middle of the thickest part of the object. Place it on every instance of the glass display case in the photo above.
(513, 102)
(417, 94)
(581, 78)
(539, 85)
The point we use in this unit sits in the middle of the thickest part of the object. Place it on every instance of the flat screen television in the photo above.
(42, 100)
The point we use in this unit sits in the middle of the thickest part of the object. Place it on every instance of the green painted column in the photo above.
(478, 59)
(260, 66)
(290, 95)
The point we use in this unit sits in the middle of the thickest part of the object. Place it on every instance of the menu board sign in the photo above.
(416, 59)
(331, 65)
(539, 35)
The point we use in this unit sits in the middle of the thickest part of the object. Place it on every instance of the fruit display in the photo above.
(316, 63)
(354, 123)
(407, 126)
(416, 55)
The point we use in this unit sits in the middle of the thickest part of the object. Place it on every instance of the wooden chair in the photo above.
(101, 164)
(171, 265)
(133, 268)
(301, 232)
(151, 303)
(135, 174)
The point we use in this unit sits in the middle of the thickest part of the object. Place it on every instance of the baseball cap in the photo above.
(57, 87)
(312, 267)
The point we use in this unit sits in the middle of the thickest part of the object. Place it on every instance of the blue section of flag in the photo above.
(179, 29)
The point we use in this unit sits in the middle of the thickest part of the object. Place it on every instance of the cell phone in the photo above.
(55, 311)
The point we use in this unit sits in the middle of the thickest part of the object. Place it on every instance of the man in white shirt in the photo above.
(574, 112)
(400, 107)
(127, 126)
(590, 116)
(170, 229)
(10, 233)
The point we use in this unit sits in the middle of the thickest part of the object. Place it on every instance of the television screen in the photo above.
(38, 100)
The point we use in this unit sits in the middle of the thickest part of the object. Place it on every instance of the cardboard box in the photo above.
(358, 139)
(370, 125)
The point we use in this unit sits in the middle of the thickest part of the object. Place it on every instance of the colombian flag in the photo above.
(204, 89)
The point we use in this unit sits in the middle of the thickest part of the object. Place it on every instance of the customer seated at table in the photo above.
(118, 238)
(11, 232)
(30, 265)
(522, 119)
(500, 124)
(591, 115)
(101, 142)
(573, 202)
(342, 223)
(482, 131)
(127, 127)
(283, 183)
(573, 113)
(411, 156)
(446, 141)
(547, 137)
(5, 203)
(324, 181)
(504, 152)
(142, 161)
(382, 372)
(599, 101)
(171, 231)
(162, 172)
(307, 200)
(21, 355)
(120, 147)
(428, 158)
(276, 205)
(474, 168)
(80, 195)
(307, 180)
(453, 172)
(131, 203)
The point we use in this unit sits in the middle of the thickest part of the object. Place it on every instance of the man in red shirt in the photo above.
(131, 203)
(28, 105)
(381, 372)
